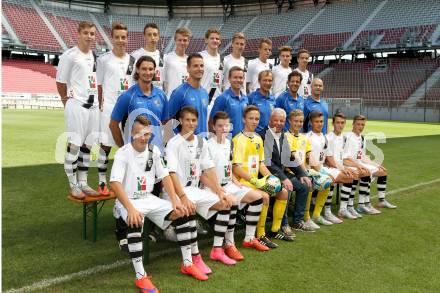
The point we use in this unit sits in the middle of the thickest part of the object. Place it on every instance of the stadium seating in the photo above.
(33, 31)
(398, 22)
(432, 97)
(44, 68)
(17, 77)
(382, 85)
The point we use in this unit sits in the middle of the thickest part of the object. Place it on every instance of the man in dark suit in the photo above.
(277, 159)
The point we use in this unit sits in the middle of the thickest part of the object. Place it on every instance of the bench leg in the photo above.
(95, 220)
(85, 221)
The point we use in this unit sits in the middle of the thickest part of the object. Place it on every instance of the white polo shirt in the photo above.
(319, 147)
(355, 147)
(255, 66)
(159, 66)
(175, 72)
(213, 74)
(221, 154)
(229, 62)
(279, 75)
(305, 88)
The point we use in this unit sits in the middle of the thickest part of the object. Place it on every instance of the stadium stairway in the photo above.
(301, 31)
(101, 31)
(326, 71)
(49, 25)
(364, 25)
(9, 29)
(419, 93)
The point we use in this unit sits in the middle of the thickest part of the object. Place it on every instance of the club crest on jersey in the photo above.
(141, 183)
(192, 169)
(157, 75)
(92, 81)
(123, 84)
(157, 103)
(216, 78)
(228, 171)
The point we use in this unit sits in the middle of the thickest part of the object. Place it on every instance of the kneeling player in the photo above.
(187, 157)
(220, 149)
(135, 169)
(248, 162)
(318, 156)
(355, 154)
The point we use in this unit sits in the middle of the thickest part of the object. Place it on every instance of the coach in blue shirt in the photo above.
(315, 102)
(263, 99)
(141, 99)
(290, 100)
(232, 101)
(191, 93)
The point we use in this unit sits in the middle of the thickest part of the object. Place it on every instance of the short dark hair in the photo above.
(301, 51)
(188, 109)
(219, 115)
(359, 117)
(339, 115)
(142, 120)
(151, 25)
(118, 26)
(295, 73)
(191, 57)
(315, 114)
(235, 68)
(138, 64)
(250, 108)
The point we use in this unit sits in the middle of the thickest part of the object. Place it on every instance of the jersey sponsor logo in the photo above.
(228, 171)
(157, 75)
(141, 183)
(184, 78)
(216, 79)
(123, 84)
(92, 81)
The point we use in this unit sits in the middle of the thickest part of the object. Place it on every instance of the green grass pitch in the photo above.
(396, 251)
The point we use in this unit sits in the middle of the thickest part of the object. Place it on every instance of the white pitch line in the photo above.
(103, 268)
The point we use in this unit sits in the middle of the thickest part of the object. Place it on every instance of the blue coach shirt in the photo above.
(234, 106)
(311, 105)
(186, 95)
(266, 104)
(133, 103)
(288, 103)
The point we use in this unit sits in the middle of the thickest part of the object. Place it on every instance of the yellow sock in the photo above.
(307, 211)
(320, 201)
(279, 208)
(262, 221)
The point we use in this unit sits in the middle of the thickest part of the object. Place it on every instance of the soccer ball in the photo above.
(272, 186)
(320, 181)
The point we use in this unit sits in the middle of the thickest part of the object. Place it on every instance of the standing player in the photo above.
(248, 163)
(212, 76)
(136, 167)
(263, 99)
(235, 59)
(281, 71)
(315, 102)
(290, 100)
(303, 60)
(189, 163)
(258, 64)
(191, 93)
(232, 101)
(220, 149)
(76, 85)
(355, 155)
(141, 99)
(113, 74)
(174, 69)
(152, 39)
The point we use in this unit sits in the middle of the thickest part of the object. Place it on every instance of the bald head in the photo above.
(317, 88)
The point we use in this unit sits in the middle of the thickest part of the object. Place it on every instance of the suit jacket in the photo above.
(272, 155)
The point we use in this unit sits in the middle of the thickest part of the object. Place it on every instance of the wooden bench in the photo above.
(92, 206)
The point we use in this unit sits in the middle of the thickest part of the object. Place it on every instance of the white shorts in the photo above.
(105, 135)
(154, 208)
(334, 172)
(204, 199)
(82, 124)
(371, 168)
(238, 192)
